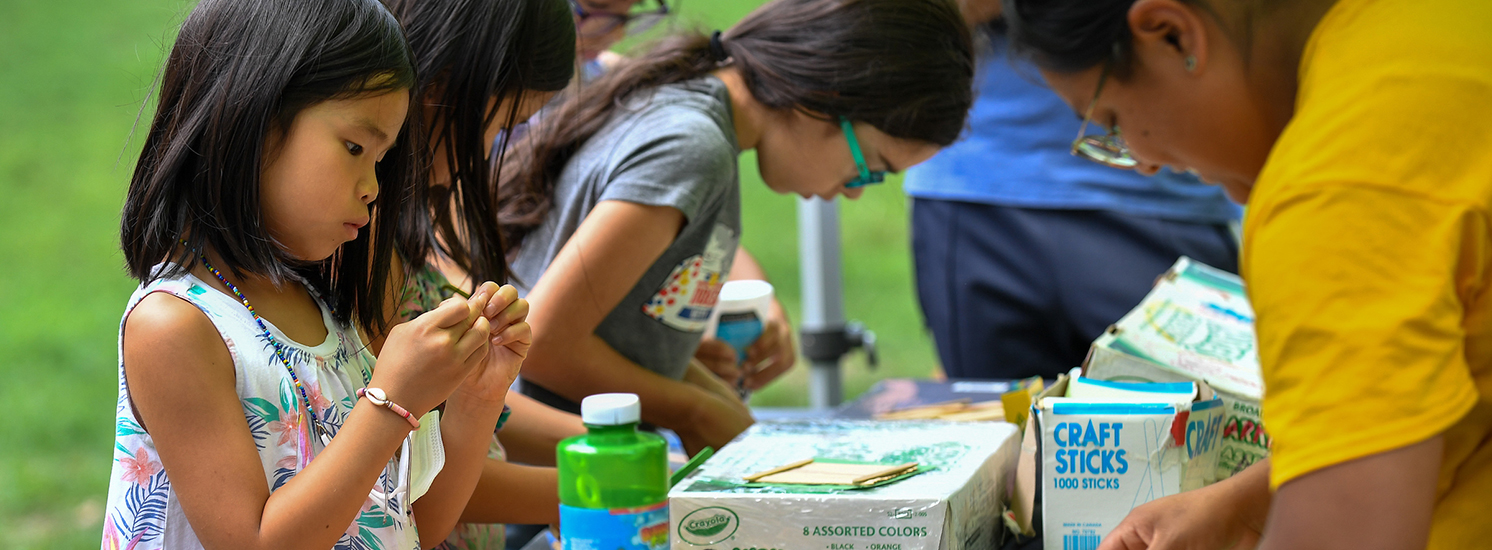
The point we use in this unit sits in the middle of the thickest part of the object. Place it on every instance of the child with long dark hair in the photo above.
(483, 67)
(622, 207)
(260, 219)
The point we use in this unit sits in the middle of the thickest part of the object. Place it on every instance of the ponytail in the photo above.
(530, 170)
(903, 66)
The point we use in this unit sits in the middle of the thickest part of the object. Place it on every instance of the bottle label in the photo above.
(644, 528)
(740, 330)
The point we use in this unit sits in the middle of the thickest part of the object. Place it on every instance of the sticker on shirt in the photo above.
(688, 295)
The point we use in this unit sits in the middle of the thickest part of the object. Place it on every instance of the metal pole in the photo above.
(823, 300)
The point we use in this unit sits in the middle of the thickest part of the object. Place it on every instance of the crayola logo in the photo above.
(708, 525)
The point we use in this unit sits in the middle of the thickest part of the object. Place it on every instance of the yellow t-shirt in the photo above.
(1368, 251)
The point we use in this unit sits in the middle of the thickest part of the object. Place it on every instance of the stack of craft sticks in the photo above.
(808, 472)
(960, 410)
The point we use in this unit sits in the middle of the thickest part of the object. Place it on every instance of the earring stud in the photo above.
(1191, 63)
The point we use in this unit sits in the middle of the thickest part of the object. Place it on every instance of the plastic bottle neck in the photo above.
(613, 429)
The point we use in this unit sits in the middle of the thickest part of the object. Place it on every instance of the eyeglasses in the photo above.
(867, 176)
(1107, 149)
(598, 23)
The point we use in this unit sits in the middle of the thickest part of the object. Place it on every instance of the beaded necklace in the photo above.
(321, 431)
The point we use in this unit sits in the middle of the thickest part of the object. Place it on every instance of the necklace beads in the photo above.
(316, 424)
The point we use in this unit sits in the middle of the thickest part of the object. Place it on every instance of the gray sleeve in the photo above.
(674, 157)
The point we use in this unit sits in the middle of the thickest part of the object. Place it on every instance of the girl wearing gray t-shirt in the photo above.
(623, 207)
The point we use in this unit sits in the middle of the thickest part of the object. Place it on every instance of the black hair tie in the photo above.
(717, 48)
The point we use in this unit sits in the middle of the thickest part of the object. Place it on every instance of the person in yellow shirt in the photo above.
(1360, 134)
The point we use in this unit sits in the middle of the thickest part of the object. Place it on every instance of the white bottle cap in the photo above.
(745, 291)
(611, 409)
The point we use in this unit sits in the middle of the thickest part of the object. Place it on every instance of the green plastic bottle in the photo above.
(613, 481)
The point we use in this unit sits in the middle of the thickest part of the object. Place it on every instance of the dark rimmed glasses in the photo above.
(599, 23)
(867, 176)
(1107, 149)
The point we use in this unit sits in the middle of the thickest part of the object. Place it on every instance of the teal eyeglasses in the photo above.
(867, 176)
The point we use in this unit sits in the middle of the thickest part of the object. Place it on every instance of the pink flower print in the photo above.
(354, 529)
(289, 428)
(111, 535)
(111, 539)
(318, 401)
(140, 468)
(290, 462)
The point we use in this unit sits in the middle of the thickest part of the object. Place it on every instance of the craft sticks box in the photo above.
(955, 504)
(1099, 460)
(1195, 325)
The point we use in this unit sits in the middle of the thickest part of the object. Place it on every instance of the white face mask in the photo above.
(420, 460)
(427, 455)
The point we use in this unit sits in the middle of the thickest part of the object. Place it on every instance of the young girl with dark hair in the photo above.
(1357, 132)
(622, 207)
(260, 216)
(484, 66)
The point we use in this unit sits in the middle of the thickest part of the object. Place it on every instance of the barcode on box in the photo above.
(1080, 542)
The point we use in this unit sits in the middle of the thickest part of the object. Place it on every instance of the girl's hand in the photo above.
(426, 358)
(700, 376)
(719, 358)
(714, 422)
(767, 358)
(773, 353)
(510, 337)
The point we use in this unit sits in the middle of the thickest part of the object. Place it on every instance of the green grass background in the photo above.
(73, 76)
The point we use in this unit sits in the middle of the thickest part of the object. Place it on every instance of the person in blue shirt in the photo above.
(1025, 253)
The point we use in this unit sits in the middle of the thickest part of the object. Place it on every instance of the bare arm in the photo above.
(472, 412)
(745, 267)
(1378, 501)
(182, 383)
(535, 429)
(979, 12)
(598, 266)
(1226, 514)
(514, 493)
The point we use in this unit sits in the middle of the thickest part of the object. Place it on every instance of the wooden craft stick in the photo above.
(920, 412)
(877, 480)
(956, 403)
(992, 404)
(799, 464)
(889, 472)
(975, 415)
(917, 414)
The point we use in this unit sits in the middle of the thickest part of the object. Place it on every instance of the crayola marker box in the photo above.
(954, 504)
(1099, 460)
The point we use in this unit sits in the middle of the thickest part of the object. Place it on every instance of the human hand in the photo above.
(713, 422)
(719, 358)
(1215, 517)
(774, 353)
(424, 359)
(510, 337)
(699, 376)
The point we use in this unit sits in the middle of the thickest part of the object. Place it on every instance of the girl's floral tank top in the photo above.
(142, 511)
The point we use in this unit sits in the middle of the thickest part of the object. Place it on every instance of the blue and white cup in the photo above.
(740, 315)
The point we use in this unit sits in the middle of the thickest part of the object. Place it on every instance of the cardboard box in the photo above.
(955, 506)
(1195, 325)
(1099, 460)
